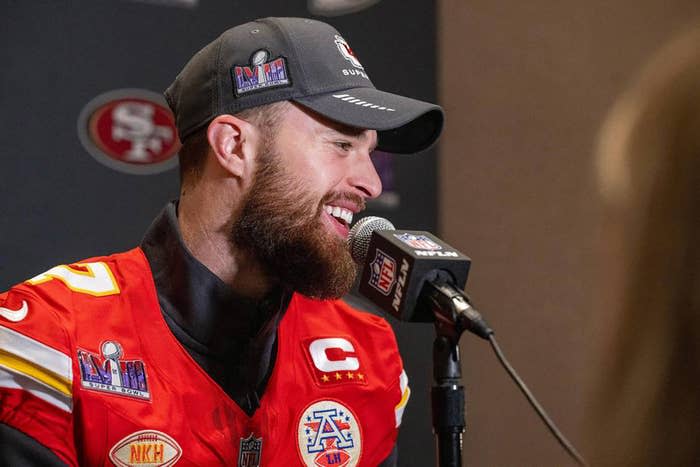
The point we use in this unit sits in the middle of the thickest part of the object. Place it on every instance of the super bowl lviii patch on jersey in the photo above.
(329, 435)
(109, 373)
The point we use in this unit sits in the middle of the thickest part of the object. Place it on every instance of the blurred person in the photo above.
(647, 399)
(220, 340)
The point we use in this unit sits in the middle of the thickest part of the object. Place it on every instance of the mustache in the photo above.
(333, 196)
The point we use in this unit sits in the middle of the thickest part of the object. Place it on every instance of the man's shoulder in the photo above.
(342, 316)
(58, 289)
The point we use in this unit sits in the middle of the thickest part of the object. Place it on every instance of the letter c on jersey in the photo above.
(337, 347)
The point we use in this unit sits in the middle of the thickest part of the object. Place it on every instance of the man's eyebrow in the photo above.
(343, 129)
(348, 131)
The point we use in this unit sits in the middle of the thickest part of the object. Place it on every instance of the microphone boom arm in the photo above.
(453, 315)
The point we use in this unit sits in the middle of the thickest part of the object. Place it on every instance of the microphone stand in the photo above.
(453, 315)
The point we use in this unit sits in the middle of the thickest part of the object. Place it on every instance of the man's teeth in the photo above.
(339, 212)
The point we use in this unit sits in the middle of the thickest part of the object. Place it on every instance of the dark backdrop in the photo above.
(59, 205)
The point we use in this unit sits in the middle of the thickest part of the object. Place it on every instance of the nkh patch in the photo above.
(419, 242)
(108, 373)
(260, 74)
(382, 272)
(146, 448)
(249, 452)
(329, 435)
(334, 361)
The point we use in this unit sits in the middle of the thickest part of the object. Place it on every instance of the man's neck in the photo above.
(206, 233)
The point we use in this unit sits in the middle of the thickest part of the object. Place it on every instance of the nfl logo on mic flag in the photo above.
(382, 272)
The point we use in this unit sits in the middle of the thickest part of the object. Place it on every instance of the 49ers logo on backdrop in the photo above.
(130, 130)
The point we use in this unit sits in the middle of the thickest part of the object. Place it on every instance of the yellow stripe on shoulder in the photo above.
(37, 361)
(42, 375)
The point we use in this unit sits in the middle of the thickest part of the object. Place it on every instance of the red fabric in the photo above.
(185, 403)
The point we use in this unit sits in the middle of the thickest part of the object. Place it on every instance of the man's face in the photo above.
(312, 176)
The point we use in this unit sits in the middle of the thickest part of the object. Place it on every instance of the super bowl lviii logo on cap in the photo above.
(260, 74)
(130, 130)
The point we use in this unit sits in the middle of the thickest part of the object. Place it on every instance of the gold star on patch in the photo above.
(338, 376)
(349, 375)
(361, 376)
(325, 378)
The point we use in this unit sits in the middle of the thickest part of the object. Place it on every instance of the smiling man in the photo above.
(221, 339)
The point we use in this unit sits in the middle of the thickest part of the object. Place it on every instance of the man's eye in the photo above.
(344, 145)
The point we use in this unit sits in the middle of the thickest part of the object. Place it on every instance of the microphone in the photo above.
(413, 275)
(417, 277)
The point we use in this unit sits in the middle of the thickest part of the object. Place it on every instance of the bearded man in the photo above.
(220, 340)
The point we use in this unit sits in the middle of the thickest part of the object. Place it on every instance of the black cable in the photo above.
(570, 449)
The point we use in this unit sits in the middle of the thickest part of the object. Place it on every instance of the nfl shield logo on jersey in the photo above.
(329, 435)
(249, 452)
(383, 272)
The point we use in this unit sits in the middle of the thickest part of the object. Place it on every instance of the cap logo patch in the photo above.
(354, 100)
(146, 448)
(347, 52)
(329, 435)
(260, 74)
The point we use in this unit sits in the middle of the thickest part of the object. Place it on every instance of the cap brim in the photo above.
(404, 125)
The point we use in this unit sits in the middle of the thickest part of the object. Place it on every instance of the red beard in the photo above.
(280, 225)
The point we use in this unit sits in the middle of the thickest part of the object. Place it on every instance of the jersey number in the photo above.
(89, 278)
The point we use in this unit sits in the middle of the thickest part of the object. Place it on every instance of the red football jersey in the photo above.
(90, 369)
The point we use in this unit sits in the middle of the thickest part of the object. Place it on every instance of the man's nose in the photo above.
(364, 177)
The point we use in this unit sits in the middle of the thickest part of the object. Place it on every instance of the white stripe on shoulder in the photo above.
(39, 355)
(56, 398)
(405, 395)
(403, 380)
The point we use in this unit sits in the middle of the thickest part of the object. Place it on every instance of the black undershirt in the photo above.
(233, 338)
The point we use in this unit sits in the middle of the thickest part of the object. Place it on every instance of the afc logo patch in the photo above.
(382, 272)
(329, 435)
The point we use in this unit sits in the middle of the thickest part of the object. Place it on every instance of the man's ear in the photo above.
(233, 142)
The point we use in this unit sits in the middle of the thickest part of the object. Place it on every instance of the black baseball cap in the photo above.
(302, 60)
